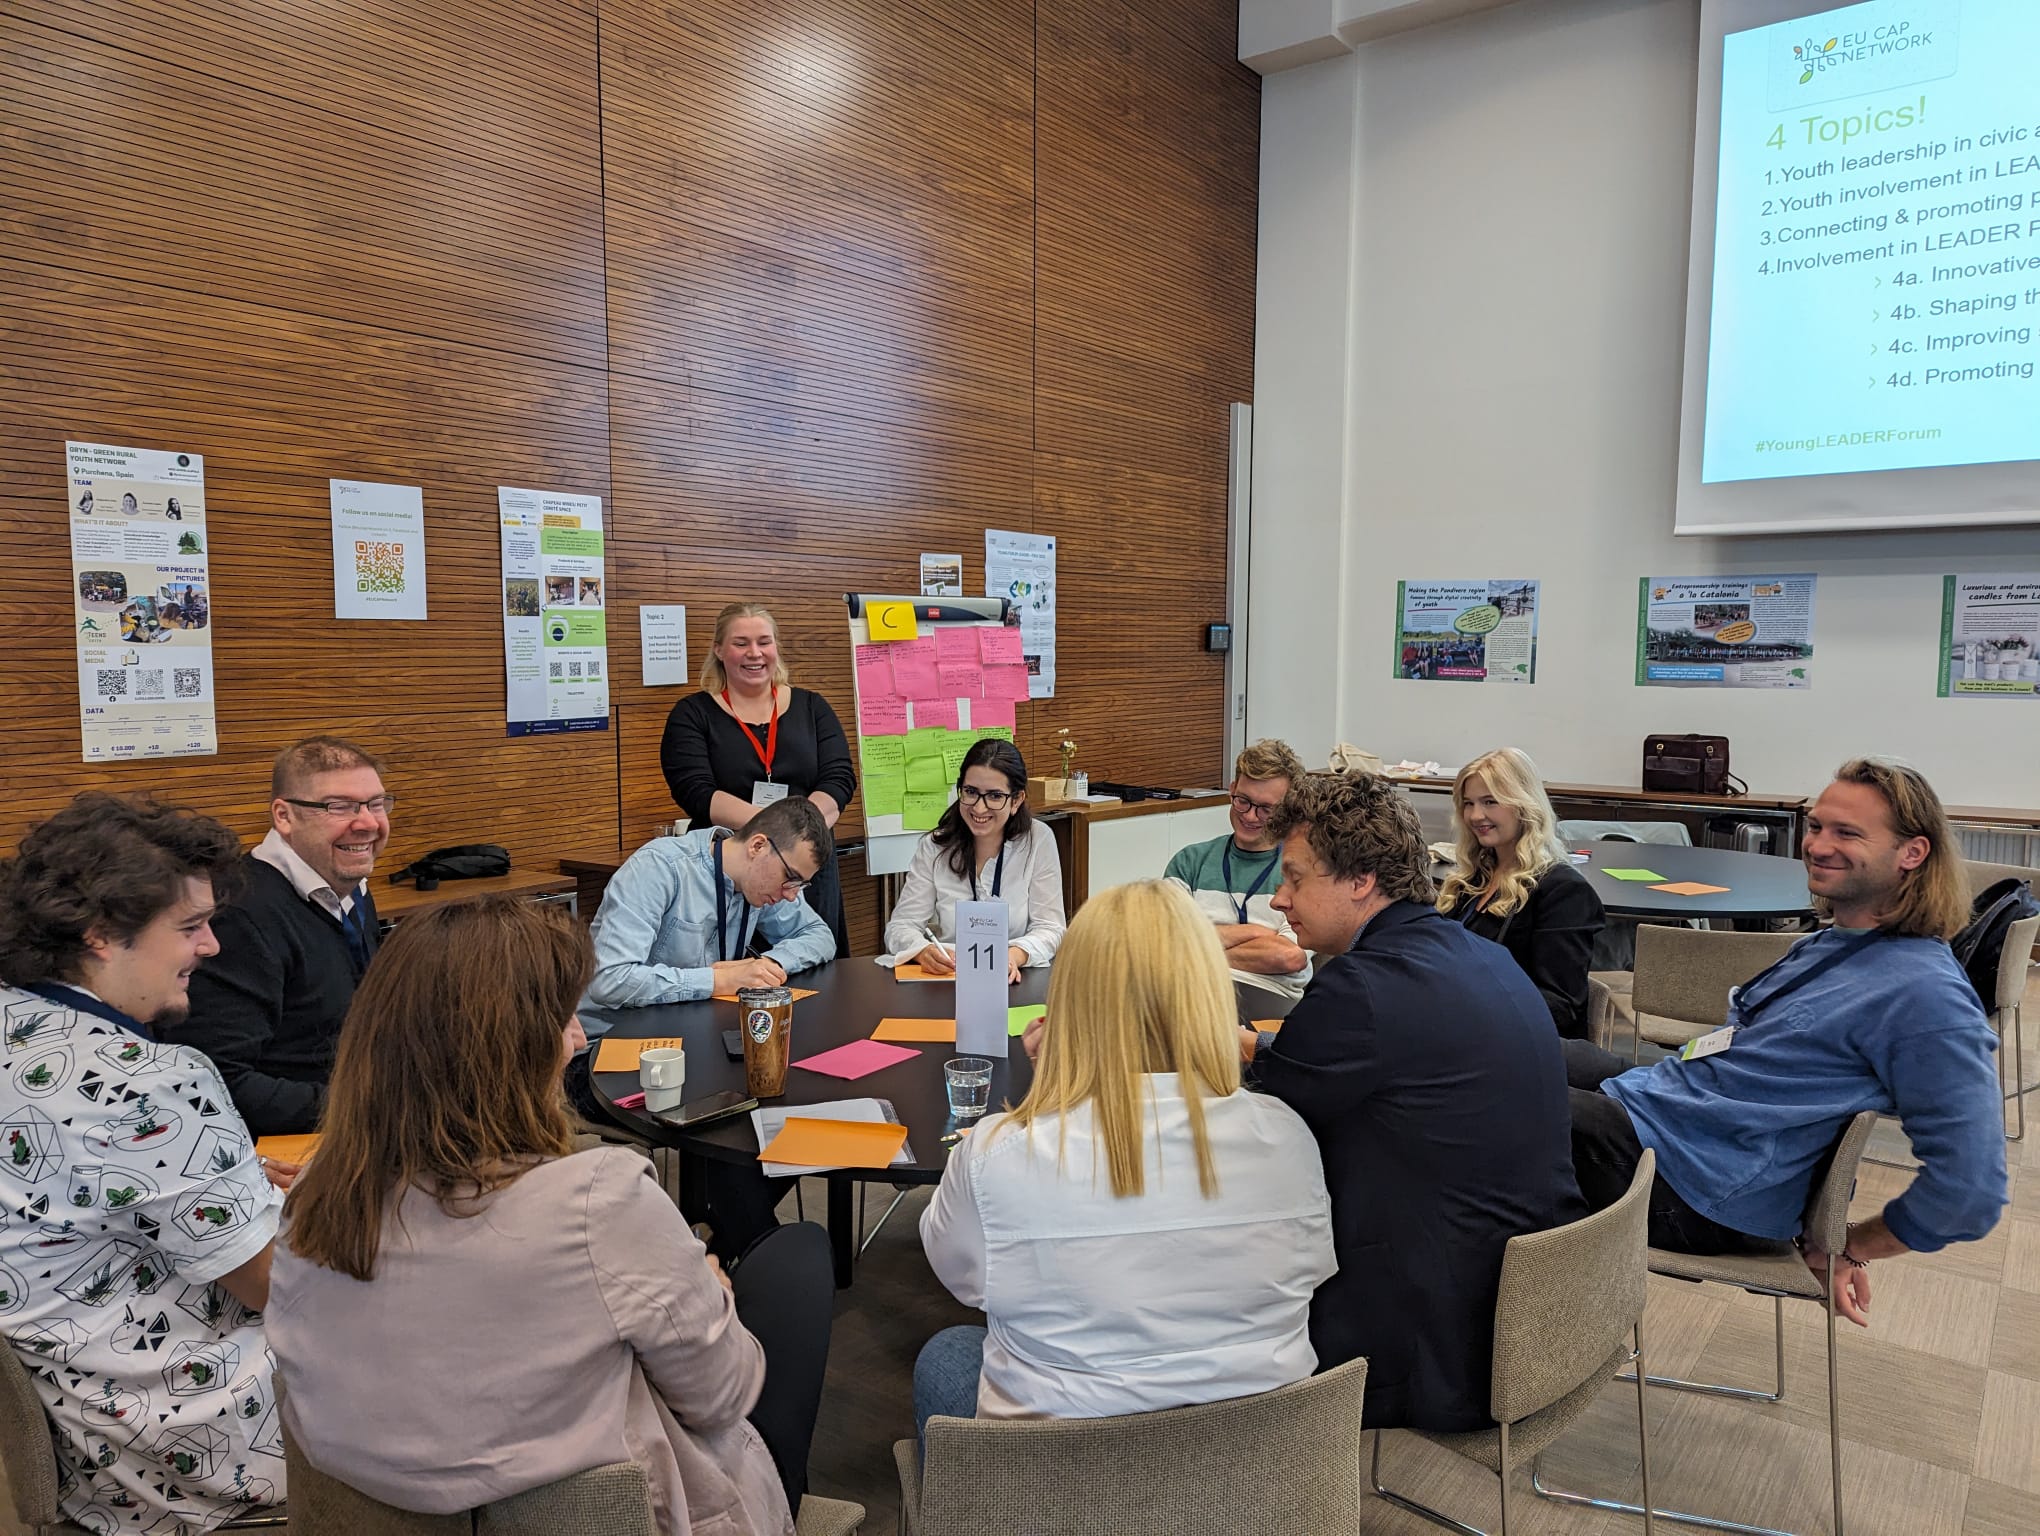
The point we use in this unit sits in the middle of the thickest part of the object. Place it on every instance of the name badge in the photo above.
(1711, 1044)
(764, 792)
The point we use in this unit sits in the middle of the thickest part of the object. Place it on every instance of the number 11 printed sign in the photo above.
(981, 978)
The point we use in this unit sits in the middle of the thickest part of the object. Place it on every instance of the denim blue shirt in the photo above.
(1893, 1026)
(655, 933)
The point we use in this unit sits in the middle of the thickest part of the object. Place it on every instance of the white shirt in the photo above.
(278, 854)
(1030, 885)
(1099, 1306)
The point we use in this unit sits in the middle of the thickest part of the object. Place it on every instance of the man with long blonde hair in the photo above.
(1871, 1013)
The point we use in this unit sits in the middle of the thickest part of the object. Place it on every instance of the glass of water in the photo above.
(970, 1086)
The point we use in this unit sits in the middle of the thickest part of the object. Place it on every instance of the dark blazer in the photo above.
(1426, 1065)
(1552, 937)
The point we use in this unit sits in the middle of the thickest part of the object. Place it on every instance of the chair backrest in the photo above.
(1600, 1010)
(2013, 962)
(1686, 973)
(28, 1463)
(1572, 833)
(1229, 1465)
(1568, 1299)
(1827, 1210)
(602, 1501)
(1982, 875)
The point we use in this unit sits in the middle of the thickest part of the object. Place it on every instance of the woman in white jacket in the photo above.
(1141, 1232)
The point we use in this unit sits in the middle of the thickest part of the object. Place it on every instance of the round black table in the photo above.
(851, 997)
(1759, 884)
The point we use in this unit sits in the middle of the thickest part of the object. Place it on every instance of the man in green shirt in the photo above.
(1232, 878)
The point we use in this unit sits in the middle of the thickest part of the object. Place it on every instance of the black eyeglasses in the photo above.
(380, 805)
(794, 883)
(1248, 807)
(997, 799)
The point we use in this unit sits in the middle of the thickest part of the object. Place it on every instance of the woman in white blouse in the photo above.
(1141, 1232)
(986, 847)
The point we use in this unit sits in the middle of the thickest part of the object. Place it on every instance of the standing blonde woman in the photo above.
(1141, 1232)
(1512, 882)
(750, 737)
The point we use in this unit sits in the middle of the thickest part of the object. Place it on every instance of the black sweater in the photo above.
(268, 1007)
(1552, 937)
(704, 750)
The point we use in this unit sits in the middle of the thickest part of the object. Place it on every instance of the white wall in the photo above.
(1472, 289)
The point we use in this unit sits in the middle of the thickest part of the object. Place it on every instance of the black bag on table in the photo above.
(462, 861)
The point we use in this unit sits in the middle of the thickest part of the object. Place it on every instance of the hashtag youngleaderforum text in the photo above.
(1847, 439)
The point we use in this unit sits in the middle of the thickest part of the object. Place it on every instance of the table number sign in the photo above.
(981, 978)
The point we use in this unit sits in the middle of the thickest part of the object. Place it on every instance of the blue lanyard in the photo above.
(1267, 869)
(79, 1002)
(1747, 1009)
(722, 937)
(998, 874)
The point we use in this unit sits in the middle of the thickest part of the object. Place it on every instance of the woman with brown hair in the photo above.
(463, 1311)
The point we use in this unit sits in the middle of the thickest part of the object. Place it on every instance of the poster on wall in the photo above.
(1021, 567)
(1466, 631)
(555, 639)
(1725, 631)
(142, 602)
(1990, 636)
(378, 550)
(941, 575)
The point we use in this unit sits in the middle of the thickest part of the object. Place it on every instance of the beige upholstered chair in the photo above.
(28, 1464)
(2013, 966)
(1684, 975)
(1200, 1471)
(1778, 1272)
(1570, 1305)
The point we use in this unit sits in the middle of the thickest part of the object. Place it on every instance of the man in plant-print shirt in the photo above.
(136, 1220)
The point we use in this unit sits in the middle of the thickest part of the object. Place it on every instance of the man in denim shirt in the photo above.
(675, 923)
(1871, 1013)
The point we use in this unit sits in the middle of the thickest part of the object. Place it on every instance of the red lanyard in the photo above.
(769, 747)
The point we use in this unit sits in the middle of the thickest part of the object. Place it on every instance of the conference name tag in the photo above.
(1711, 1044)
(764, 792)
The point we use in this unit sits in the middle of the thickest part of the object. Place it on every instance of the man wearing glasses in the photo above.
(268, 1007)
(1233, 880)
(677, 922)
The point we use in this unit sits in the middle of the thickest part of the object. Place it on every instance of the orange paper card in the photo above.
(798, 994)
(614, 1055)
(835, 1144)
(288, 1149)
(910, 970)
(1691, 888)
(1272, 1026)
(917, 1031)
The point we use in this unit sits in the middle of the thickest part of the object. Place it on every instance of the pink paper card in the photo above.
(935, 712)
(1003, 682)
(990, 714)
(1000, 646)
(913, 664)
(860, 1058)
(956, 642)
(960, 680)
(881, 717)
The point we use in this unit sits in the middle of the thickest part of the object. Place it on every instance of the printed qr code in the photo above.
(559, 670)
(378, 566)
(186, 682)
(113, 682)
(594, 670)
(573, 669)
(149, 683)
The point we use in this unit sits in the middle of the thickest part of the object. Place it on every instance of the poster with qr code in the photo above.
(555, 635)
(378, 550)
(141, 596)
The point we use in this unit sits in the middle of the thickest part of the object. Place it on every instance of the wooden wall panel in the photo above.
(801, 292)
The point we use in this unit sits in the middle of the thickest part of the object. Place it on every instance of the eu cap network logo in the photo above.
(1882, 45)
(1812, 54)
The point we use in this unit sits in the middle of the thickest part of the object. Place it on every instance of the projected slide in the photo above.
(1876, 296)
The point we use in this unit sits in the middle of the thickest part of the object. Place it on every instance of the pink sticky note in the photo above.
(988, 714)
(1000, 646)
(1004, 682)
(913, 664)
(881, 717)
(935, 712)
(956, 642)
(860, 1058)
(962, 679)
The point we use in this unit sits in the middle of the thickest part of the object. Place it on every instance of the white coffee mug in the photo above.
(662, 1073)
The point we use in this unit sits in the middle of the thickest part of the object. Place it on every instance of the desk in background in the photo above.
(1122, 841)
(1752, 823)
(394, 903)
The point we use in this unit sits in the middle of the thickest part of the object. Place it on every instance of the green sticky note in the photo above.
(926, 776)
(884, 754)
(1000, 732)
(1634, 874)
(925, 741)
(952, 753)
(1020, 1015)
(885, 794)
(924, 810)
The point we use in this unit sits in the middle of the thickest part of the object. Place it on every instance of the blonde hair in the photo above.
(1140, 985)
(1933, 900)
(713, 678)
(1269, 759)
(1512, 779)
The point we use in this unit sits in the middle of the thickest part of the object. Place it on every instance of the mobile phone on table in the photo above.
(706, 1111)
(733, 1044)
